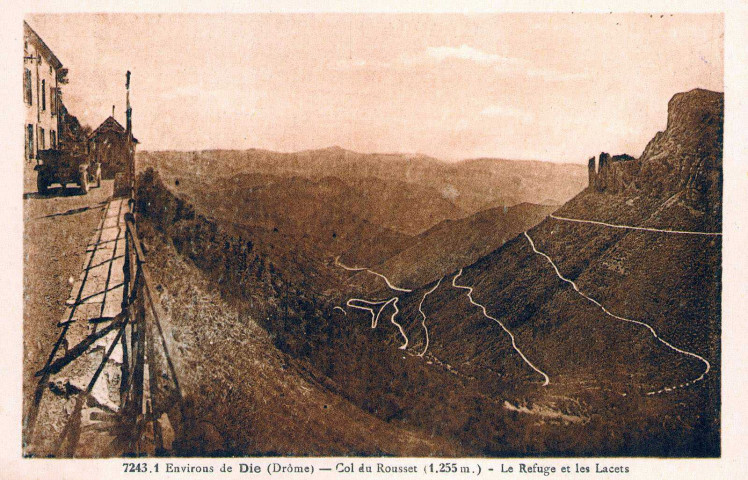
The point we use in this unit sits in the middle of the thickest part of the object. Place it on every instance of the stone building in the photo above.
(41, 94)
(108, 145)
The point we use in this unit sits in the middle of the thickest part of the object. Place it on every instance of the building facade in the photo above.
(108, 145)
(41, 95)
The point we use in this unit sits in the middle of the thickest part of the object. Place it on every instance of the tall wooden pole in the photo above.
(130, 150)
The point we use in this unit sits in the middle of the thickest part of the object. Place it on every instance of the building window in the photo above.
(29, 141)
(44, 95)
(41, 139)
(27, 86)
(53, 99)
(52, 139)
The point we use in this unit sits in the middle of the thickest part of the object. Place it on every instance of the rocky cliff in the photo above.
(686, 156)
(603, 359)
(615, 173)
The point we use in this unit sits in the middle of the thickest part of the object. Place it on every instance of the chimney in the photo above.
(591, 172)
(112, 111)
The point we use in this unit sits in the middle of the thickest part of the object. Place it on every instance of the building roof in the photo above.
(110, 125)
(34, 38)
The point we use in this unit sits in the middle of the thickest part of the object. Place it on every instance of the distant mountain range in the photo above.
(471, 185)
(510, 326)
(365, 207)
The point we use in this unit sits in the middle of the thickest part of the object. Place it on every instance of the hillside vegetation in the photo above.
(470, 185)
(511, 332)
(451, 244)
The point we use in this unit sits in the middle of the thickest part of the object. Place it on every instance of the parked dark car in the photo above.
(63, 167)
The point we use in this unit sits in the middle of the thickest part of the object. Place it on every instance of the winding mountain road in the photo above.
(374, 317)
(368, 270)
(381, 303)
(399, 327)
(631, 227)
(485, 314)
(423, 322)
(637, 322)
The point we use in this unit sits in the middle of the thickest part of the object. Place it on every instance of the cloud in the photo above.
(504, 111)
(499, 63)
(465, 52)
(502, 65)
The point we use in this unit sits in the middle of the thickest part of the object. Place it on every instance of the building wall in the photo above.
(110, 149)
(40, 110)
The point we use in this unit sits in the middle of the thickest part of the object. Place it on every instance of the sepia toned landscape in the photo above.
(513, 291)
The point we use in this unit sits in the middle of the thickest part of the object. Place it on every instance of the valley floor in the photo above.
(246, 396)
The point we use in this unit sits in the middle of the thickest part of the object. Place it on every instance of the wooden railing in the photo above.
(151, 395)
(150, 416)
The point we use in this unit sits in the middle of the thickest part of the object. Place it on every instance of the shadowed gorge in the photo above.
(525, 329)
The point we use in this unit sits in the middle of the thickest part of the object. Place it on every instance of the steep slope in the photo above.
(390, 204)
(221, 282)
(596, 332)
(635, 338)
(685, 157)
(325, 214)
(245, 397)
(453, 243)
(264, 200)
(318, 217)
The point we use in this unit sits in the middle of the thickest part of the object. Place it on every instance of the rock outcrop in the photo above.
(686, 156)
(614, 173)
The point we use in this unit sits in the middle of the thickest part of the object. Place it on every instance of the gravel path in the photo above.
(56, 230)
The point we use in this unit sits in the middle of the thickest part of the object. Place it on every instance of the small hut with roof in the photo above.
(108, 145)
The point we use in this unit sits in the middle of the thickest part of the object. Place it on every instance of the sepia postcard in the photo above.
(376, 242)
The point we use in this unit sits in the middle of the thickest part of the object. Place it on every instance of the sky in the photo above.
(559, 87)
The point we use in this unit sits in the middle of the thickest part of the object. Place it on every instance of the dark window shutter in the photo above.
(30, 140)
(27, 86)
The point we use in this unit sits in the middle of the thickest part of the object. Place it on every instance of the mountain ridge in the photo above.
(635, 274)
(455, 242)
(461, 356)
(470, 185)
